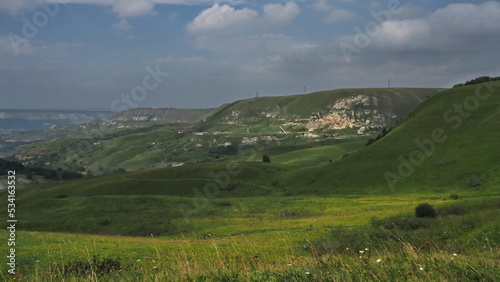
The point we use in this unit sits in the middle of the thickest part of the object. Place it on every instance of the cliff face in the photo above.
(161, 114)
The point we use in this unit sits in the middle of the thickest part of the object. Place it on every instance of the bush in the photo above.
(452, 210)
(97, 266)
(401, 223)
(475, 182)
(425, 210)
(266, 159)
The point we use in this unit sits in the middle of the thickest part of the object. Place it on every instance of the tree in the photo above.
(266, 159)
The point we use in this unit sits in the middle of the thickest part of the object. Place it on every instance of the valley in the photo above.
(193, 199)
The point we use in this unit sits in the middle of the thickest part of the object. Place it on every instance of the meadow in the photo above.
(310, 238)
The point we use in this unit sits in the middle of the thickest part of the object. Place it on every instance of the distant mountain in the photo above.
(162, 115)
(21, 120)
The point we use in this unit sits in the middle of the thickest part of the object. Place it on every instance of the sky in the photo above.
(120, 54)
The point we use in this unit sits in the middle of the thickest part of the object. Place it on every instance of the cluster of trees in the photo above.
(384, 132)
(478, 80)
(59, 174)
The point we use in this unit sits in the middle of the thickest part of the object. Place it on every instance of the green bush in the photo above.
(425, 210)
(266, 159)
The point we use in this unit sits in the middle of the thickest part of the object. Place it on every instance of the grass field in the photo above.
(285, 239)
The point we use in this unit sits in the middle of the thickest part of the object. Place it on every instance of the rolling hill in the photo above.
(345, 118)
(463, 160)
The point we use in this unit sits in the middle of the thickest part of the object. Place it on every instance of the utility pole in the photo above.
(304, 90)
(257, 95)
(389, 83)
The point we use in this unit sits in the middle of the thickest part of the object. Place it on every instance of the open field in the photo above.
(288, 238)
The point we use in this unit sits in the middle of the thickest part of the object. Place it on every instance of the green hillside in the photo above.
(382, 105)
(465, 163)
(449, 142)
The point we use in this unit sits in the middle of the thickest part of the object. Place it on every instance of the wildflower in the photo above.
(289, 264)
(304, 246)
(366, 249)
(379, 260)
(455, 254)
(37, 261)
(307, 273)
(361, 252)
(138, 260)
(421, 268)
(347, 249)
(120, 270)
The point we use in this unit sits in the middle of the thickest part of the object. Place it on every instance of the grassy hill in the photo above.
(379, 106)
(449, 142)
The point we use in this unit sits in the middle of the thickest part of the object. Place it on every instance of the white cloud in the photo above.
(333, 14)
(464, 27)
(122, 25)
(222, 19)
(228, 20)
(123, 8)
(277, 14)
(322, 6)
(467, 19)
(403, 35)
(133, 8)
(13, 7)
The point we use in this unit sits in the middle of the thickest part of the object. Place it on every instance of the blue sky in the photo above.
(102, 54)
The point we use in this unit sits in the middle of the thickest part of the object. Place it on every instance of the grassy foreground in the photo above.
(343, 242)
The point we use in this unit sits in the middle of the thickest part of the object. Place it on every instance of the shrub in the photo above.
(97, 266)
(474, 182)
(401, 223)
(266, 159)
(425, 210)
(452, 210)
